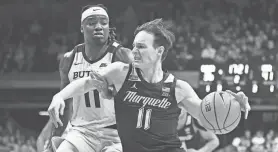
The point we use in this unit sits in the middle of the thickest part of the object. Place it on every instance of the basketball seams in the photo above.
(228, 125)
(216, 117)
(205, 116)
(235, 120)
(227, 113)
(215, 112)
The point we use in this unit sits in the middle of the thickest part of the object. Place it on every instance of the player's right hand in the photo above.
(56, 109)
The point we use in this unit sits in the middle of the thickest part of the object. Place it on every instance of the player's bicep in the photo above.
(64, 67)
(111, 73)
(124, 55)
(187, 98)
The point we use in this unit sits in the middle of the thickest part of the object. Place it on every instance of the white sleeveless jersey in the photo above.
(90, 110)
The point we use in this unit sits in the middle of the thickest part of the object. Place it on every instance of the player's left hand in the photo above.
(243, 101)
(56, 109)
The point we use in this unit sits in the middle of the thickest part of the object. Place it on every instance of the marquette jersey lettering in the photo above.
(90, 109)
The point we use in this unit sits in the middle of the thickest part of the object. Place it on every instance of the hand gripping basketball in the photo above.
(243, 101)
(220, 111)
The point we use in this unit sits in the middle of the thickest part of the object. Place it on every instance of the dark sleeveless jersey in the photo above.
(147, 114)
(191, 136)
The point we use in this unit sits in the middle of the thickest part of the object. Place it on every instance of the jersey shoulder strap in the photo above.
(69, 57)
(112, 48)
(169, 85)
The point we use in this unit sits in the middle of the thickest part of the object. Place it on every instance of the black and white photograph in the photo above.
(138, 75)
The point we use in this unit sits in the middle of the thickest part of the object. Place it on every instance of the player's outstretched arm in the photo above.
(212, 141)
(188, 99)
(122, 55)
(113, 74)
(98, 80)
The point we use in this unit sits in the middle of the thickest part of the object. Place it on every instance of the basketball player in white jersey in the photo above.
(93, 126)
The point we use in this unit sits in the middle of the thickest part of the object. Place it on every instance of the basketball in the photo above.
(220, 112)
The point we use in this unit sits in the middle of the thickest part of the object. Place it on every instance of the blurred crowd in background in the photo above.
(220, 31)
(14, 138)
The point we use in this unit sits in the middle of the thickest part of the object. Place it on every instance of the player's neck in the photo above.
(93, 50)
(153, 74)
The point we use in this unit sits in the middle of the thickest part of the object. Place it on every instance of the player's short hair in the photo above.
(112, 31)
(163, 36)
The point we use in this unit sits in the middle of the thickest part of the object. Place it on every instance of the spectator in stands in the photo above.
(269, 140)
(275, 143)
(243, 143)
(258, 142)
(208, 52)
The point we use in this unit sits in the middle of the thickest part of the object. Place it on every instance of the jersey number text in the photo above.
(141, 117)
(96, 96)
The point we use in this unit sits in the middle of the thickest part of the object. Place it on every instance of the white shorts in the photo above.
(85, 140)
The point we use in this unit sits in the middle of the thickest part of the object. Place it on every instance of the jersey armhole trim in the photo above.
(72, 58)
(174, 89)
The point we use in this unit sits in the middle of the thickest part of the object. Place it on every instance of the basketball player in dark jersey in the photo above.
(99, 50)
(193, 136)
(148, 100)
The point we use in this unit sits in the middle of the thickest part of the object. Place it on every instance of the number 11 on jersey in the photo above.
(141, 117)
(96, 97)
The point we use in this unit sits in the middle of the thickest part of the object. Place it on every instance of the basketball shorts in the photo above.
(85, 140)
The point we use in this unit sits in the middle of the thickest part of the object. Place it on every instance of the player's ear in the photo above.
(81, 29)
(160, 50)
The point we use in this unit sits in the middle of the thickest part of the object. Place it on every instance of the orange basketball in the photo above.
(220, 112)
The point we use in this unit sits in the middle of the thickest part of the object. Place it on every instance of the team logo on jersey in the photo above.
(133, 78)
(133, 97)
(165, 91)
(134, 86)
(103, 65)
(81, 74)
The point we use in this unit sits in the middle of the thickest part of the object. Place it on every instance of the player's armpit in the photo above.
(187, 98)
(124, 55)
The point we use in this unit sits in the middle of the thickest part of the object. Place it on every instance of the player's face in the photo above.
(96, 28)
(144, 52)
